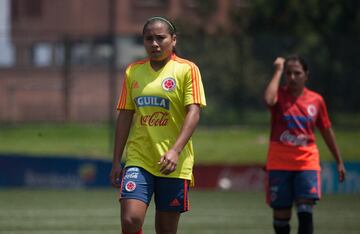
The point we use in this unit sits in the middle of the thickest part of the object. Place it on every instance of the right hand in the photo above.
(279, 64)
(115, 176)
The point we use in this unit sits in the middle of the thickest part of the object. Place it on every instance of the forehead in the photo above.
(156, 27)
(294, 65)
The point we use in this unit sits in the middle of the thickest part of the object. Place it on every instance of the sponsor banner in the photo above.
(67, 172)
(252, 178)
(226, 177)
(330, 182)
(52, 172)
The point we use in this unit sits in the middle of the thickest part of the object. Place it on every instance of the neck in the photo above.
(158, 64)
(296, 92)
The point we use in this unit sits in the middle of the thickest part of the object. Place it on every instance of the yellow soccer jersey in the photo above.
(159, 99)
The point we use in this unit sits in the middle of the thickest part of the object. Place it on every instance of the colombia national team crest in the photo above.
(311, 109)
(130, 186)
(169, 84)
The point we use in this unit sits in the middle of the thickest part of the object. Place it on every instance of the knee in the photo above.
(283, 214)
(304, 206)
(130, 222)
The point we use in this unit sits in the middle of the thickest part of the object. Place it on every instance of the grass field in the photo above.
(94, 211)
(97, 211)
(236, 144)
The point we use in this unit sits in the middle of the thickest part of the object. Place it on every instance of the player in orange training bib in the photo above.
(293, 158)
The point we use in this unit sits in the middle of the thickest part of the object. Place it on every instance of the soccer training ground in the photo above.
(91, 211)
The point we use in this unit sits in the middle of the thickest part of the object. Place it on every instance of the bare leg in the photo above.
(132, 215)
(166, 222)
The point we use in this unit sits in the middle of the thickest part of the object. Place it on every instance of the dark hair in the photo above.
(170, 25)
(298, 58)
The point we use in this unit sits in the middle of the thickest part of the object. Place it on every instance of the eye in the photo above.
(298, 73)
(148, 38)
(160, 37)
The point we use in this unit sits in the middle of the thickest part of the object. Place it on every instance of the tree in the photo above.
(325, 32)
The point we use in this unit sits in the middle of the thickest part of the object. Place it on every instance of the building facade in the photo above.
(69, 55)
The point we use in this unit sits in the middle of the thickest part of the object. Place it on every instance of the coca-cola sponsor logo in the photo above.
(133, 175)
(288, 138)
(156, 119)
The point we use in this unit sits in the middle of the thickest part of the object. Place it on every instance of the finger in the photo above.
(166, 168)
(342, 176)
(116, 182)
(169, 169)
(163, 167)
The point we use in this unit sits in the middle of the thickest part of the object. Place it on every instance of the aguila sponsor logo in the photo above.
(142, 101)
(155, 119)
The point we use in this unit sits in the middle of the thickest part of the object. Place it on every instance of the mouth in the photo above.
(155, 51)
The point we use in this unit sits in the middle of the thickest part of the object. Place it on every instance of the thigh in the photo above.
(171, 194)
(307, 185)
(279, 189)
(137, 184)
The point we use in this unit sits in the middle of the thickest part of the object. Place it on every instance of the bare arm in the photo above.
(169, 160)
(122, 130)
(329, 137)
(270, 95)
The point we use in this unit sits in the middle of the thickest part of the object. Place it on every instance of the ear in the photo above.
(174, 40)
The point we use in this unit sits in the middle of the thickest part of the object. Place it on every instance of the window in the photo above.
(42, 54)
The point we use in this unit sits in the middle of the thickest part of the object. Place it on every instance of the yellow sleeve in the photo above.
(194, 90)
(125, 101)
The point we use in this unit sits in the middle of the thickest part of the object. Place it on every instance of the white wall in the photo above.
(7, 51)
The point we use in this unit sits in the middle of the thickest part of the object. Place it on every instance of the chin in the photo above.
(158, 59)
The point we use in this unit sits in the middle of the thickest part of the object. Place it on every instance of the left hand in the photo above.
(169, 162)
(341, 171)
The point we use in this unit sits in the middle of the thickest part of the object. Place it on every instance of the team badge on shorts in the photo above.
(130, 186)
(169, 84)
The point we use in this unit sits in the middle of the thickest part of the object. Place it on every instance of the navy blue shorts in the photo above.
(170, 194)
(284, 187)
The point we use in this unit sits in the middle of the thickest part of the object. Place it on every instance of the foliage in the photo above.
(236, 62)
(326, 33)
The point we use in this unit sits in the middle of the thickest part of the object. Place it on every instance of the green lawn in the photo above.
(91, 211)
(237, 144)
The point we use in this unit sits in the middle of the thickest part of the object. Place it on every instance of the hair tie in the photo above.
(164, 20)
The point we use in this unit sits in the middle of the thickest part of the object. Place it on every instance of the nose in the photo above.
(292, 76)
(154, 43)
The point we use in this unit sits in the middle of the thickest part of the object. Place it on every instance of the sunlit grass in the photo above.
(228, 145)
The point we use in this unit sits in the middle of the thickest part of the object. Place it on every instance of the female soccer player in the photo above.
(293, 158)
(159, 109)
